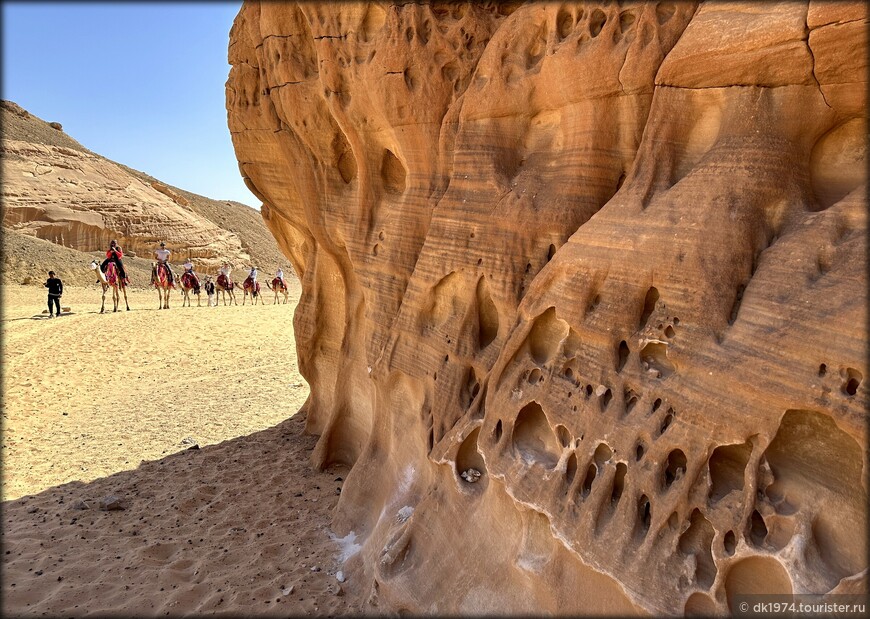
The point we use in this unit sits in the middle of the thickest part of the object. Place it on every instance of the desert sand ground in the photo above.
(99, 405)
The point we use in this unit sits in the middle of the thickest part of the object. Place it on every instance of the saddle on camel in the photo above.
(278, 284)
(224, 282)
(189, 279)
(252, 286)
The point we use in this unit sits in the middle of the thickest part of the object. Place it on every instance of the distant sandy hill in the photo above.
(62, 203)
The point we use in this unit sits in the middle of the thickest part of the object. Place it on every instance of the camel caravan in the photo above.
(112, 275)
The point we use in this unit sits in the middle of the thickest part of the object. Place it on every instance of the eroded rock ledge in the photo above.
(611, 257)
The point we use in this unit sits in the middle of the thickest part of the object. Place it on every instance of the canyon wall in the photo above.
(611, 257)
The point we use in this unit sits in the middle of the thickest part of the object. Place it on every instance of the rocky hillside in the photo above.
(583, 292)
(56, 190)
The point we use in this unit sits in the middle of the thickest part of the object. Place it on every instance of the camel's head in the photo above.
(93, 265)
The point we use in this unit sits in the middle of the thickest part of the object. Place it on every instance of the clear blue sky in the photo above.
(139, 83)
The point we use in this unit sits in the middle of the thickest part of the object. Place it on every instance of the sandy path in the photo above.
(229, 528)
(87, 395)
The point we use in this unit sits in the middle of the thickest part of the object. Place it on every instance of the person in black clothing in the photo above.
(55, 292)
(209, 289)
(114, 254)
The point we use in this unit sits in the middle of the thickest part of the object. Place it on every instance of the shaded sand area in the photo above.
(110, 405)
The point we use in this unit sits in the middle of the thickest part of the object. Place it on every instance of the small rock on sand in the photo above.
(111, 503)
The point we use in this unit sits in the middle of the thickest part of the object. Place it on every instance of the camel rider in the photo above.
(188, 268)
(114, 254)
(253, 276)
(162, 255)
(225, 270)
(280, 276)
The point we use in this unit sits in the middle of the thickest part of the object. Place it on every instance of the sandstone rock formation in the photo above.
(610, 256)
(57, 190)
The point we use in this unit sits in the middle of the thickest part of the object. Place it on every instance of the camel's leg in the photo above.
(103, 303)
(116, 298)
(197, 300)
(166, 298)
(125, 298)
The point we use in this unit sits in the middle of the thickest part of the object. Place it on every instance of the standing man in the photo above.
(55, 292)
(162, 255)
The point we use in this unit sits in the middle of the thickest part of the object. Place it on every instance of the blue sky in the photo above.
(139, 83)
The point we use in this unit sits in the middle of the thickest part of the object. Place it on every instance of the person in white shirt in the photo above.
(280, 275)
(162, 255)
(253, 275)
(224, 276)
(188, 270)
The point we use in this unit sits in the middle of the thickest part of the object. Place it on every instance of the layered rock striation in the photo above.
(611, 257)
(57, 190)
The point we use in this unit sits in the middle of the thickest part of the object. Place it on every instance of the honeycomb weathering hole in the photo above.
(852, 381)
(546, 335)
(618, 483)
(649, 305)
(591, 472)
(674, 469)
(570, 469)
(468, 456)
(603, 453)
(347, 166)
(533, 438)
(727, 469)
(757, 528)
(596, 22)
(392, 173)
(564, 435)
(697, 540)
(815, 464)
(700, 605)
(644, 515)
(655, 356)
(622, 356)
(729, 542)
(755, 575)
(487, 315)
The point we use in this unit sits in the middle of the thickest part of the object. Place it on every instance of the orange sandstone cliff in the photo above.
(610, 257)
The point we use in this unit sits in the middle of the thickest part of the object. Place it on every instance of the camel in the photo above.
(253, 289)
(160, 280)
(224, 287)
(276, 287)
(111, 278)
(188, 283)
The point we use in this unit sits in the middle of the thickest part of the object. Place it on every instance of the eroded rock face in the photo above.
(613, 258)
